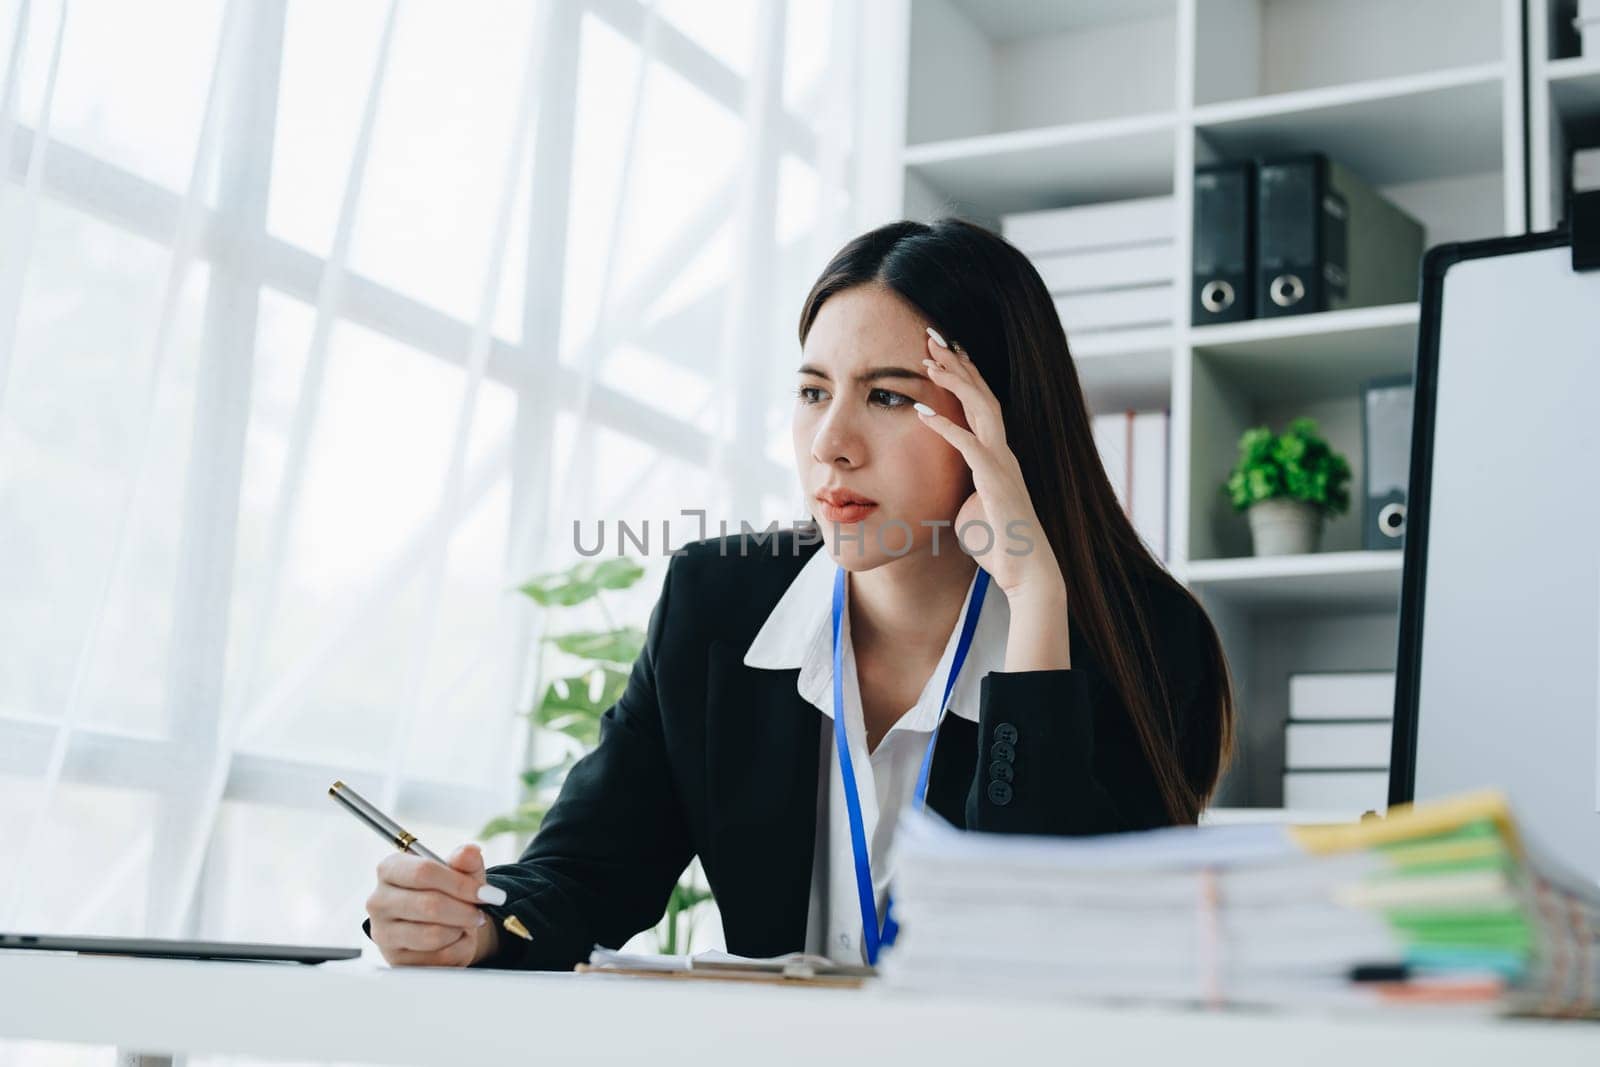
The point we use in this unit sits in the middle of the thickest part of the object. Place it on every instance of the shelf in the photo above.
(1117, 343)
(1055, 166)
(1125, 370)
(1234, 816)
(1021, 19)
(1575, 87)
(1412, 128)
(1367, 580)
(1311, 356)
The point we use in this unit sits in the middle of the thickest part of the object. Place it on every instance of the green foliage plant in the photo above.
(571, 705)
(1297, 464)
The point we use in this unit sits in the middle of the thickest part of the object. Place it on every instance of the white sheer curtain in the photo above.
(320, 325)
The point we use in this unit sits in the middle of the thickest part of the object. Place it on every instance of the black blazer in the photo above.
(705, 756)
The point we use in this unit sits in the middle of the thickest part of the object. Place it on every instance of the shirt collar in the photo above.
(799, 634)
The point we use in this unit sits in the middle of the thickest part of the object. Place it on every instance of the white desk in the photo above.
(356, 1011)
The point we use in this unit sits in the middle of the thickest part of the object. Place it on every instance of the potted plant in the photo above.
(570, 711)
(1288, 483)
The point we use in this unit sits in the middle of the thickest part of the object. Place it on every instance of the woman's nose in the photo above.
(837, 439)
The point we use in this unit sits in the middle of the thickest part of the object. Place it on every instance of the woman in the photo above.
(972, 556)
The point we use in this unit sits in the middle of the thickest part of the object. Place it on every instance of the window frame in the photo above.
(246, 259)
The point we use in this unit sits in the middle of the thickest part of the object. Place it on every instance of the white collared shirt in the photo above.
(799, 633)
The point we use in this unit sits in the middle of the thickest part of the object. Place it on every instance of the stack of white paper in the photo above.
(1336, 743)
(1204, 914)
(1439, 904)
(1108, 266)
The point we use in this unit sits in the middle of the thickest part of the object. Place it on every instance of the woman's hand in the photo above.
(1000, 498)
(427, 915)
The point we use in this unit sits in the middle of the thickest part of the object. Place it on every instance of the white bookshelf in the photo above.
(1351, 580)
(1563, 105)
(1014, 105)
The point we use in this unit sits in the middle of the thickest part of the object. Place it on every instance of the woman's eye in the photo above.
(888, 399)
(884, 398)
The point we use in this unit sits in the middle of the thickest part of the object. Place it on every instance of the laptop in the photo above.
(161, 948)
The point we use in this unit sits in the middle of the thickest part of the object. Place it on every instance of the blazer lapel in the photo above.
(762, 744)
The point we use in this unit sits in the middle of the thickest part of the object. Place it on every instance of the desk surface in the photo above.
(363, 1012)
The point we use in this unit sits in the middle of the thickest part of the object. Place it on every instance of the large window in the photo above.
(320, 324)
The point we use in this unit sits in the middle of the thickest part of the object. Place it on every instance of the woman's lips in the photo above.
(845, 513)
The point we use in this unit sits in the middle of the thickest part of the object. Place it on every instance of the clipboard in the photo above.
(796, 968)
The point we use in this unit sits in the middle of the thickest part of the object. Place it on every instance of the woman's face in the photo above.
(855, 432)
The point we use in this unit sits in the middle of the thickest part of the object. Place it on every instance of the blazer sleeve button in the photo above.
(1002, 751)
(1005, 732)
(1000, 793)
(1001, 771)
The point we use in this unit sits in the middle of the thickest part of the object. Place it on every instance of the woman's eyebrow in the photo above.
(872, 375)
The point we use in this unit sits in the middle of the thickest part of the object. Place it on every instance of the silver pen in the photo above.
(404, 840)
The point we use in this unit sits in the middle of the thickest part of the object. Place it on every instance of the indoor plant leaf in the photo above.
(525, 819)
(581, 581)
(621, 645)
(538, 778)
(577, 695)
(1297, 464)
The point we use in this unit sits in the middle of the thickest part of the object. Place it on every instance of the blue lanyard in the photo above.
(877, 936)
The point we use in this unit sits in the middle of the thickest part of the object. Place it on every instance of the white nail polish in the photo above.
(920, 406)
(491, 894)
(936, 338)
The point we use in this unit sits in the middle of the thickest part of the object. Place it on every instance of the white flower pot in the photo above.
(1285, 527)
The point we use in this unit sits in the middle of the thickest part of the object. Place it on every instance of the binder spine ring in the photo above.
(1287, 290)
(1217, 295)
(1392, 520)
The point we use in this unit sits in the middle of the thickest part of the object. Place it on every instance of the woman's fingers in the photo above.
(425, 913)
(985, 420)
(421, 937)
(991, 468)
(965, 441)
(396, 903)
(966, 365)
(468, 859)
(956, 374)
(415, 872)
(458, 953)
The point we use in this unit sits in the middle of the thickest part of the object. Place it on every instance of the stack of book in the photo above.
(1109, 267)
(1133, 448)
(1336, 743)
(1438, 904)
(1586, 164)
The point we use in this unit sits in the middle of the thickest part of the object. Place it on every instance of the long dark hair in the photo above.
(978, 289)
